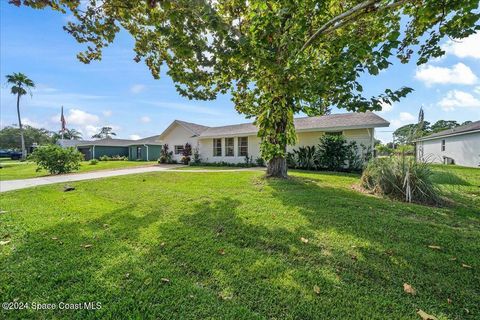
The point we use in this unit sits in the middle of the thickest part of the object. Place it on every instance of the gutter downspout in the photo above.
(93, 152)
(373, 142)
(146, 146)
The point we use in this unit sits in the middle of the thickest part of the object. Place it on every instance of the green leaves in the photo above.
(263, 52)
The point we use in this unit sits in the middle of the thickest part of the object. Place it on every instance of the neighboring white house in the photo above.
(232, 143)
(460, 145)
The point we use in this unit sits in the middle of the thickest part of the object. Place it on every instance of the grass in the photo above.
(230, 245)
(22, 170)
(212, 168)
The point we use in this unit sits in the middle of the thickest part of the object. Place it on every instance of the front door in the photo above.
(139, 153)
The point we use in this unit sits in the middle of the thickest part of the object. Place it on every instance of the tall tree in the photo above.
(68, 134)
(276, 57)
(407, 133)
(20, 85)
(441, 125)
(105, 132)
(9, 136)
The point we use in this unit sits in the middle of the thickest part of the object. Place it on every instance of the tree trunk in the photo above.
(277, 167)
(24, 151)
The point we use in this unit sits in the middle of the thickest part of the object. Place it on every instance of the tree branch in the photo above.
(344, 18)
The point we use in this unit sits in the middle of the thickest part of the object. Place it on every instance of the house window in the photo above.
(443, 145)
(229, 147)
(178, 149)
(217, 147)
(243, 146)
(334, 133)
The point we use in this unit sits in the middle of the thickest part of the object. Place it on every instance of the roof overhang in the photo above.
(328, 129)
(447, 135)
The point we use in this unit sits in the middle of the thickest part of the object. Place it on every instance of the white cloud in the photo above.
(406, 116)
(464, 48)
(107, 113)
(145, 119)
(137, 88)
(403, 119)
(134, 136)
(386, 107)
(458, 99)
(80, 117)
(458, 74)
(33, 123)
(89, 130)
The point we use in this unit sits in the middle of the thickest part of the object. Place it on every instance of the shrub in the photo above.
(196, 156)
(166, 156)
(332, 152)
(186, 153)
(56, 159)
(93, 161)
(113, 158)
(401, 178)
(260, 162)
(248, 161)
(383, 150)
(304, 158)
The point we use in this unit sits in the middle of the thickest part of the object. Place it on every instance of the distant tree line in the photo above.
(10, 136)
(408, 133)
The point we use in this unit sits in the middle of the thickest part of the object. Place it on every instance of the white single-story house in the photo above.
(232, 143)
(460, 145)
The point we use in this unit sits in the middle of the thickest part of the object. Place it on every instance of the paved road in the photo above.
(33, 182)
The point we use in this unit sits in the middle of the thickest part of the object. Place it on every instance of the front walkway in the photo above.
(33, 182)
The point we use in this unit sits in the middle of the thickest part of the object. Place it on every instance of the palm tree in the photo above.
(20, 85)
(69, 134)
(105, 132)
(72, 134)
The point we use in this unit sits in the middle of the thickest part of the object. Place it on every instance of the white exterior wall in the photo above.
(178, 135)
(464, 149)
(206, 150)
(361, 136)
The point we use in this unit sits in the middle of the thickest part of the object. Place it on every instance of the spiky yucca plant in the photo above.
(401, 177)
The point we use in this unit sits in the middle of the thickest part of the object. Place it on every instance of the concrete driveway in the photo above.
(33, 182)
(10, 185)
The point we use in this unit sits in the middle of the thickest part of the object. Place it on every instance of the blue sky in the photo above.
(121, 93)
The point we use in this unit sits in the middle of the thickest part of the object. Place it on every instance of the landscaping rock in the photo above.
(68, 188)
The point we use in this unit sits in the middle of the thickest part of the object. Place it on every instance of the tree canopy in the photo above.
(105, 132)
(276, 57)
(407, 133)
(9, 137)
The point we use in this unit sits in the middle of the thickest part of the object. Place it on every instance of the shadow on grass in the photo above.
(223, 263)
(449, 178)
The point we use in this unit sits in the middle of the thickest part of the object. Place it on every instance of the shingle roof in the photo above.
(69, 143)
(197, 129)
(107, 142)
(328, 123)
(461, 129)
(148, 140)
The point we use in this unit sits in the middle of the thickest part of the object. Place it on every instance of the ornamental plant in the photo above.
(56, 159)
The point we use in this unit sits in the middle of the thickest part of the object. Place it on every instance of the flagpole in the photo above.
(63, 124)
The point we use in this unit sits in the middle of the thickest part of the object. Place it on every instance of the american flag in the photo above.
(64, 123)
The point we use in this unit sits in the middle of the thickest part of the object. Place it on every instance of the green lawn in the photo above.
(22, 170)
(210, 168)
(228, 245)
